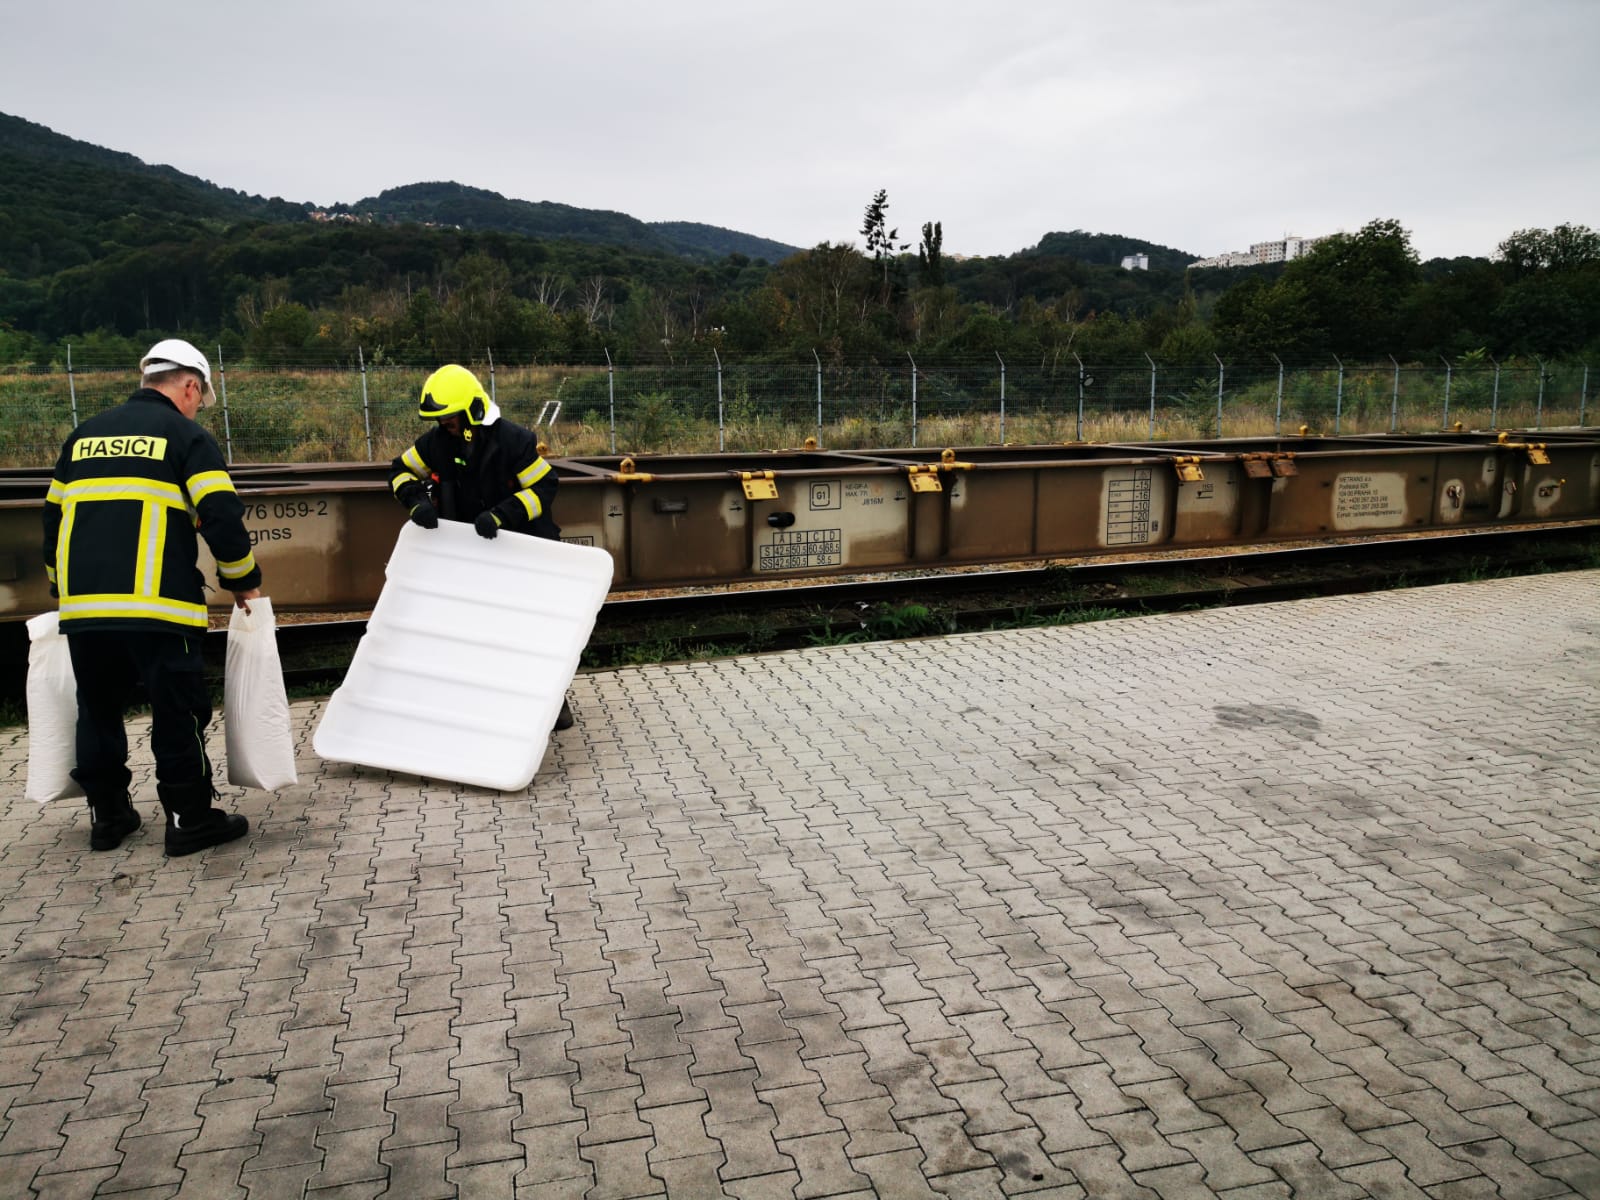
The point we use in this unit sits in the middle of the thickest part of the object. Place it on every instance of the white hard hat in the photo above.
(174, 353)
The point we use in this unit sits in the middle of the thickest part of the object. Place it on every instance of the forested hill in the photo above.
(103, 251)
(68, 203)
(455, 205)
(713, 239)
(1107, 250)
(41, 144)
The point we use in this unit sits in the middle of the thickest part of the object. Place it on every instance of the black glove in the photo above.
(425, 514)
(55, 592)
(487, 524)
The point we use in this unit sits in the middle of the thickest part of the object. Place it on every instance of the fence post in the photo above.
(1338, 397)
(611, 396)
(72, 388)
(1538, 413)
(1394, 400)
(1079, 361)
(1220, 371)
(1002, 398)
(366, 410)
(913, 399)
(1277, 421)
(1152, 363)
(227, 427)
(1494, 402)
(721, 439)
(819, 398)
(490, 352)
(1583, 396)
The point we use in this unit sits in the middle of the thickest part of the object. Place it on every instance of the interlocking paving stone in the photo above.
(1299, 899)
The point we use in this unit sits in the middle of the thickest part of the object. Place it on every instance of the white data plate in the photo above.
(467, 657)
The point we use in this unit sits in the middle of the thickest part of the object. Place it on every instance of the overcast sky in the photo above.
(1200, 124)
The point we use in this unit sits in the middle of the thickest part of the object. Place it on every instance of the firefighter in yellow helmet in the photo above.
(476, 467)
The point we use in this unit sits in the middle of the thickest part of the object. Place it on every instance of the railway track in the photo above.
(322, 532)
(704, 623)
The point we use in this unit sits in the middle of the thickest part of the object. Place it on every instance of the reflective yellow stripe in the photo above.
(533, 472)
(400, 480)
(154, 608)
(158, 550)
(206, 482)
(64, 540)
(50, 574)
(414, 460)
(123, 488)
(529, 502)
(148, 570)
(56, 492)
(237, 569)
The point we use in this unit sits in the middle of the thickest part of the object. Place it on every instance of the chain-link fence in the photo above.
(365, 413)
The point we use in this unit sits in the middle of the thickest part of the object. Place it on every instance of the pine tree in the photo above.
(882, 242)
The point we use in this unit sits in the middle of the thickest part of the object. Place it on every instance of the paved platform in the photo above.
(1294, 900)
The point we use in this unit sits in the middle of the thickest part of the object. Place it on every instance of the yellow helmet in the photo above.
(453, 389)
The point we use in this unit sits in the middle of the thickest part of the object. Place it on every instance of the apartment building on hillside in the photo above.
(1285, 249)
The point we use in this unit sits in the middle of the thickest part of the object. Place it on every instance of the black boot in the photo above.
(564, 717)
(112, 816)
(113, 819)
(192, 824)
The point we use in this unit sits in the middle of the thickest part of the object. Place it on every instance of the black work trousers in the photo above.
(107, 666)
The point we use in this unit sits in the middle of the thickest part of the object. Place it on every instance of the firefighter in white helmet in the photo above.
(131, 488)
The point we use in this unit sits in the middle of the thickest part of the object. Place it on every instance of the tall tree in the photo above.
(882, 242)
(930, 256)
(1256, 319)
(826, 295)
(1357, 285)
(1558, 249)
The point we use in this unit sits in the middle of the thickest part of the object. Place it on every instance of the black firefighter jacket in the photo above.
(499, 470)
(131, 487)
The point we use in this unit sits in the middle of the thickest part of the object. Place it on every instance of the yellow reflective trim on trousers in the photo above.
(400, 480)
(123, 488)
(152, 608)
(529, 502)
(237, 569)
(148, 572)
(205, 483)
(533, 472)
(414, 460)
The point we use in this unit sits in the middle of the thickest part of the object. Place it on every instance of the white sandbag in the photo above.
(467, 656)
(52, 712)
(259, 737)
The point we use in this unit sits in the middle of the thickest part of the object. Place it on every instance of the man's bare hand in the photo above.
(240, 598)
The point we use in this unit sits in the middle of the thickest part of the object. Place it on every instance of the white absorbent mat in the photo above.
(467, 657)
